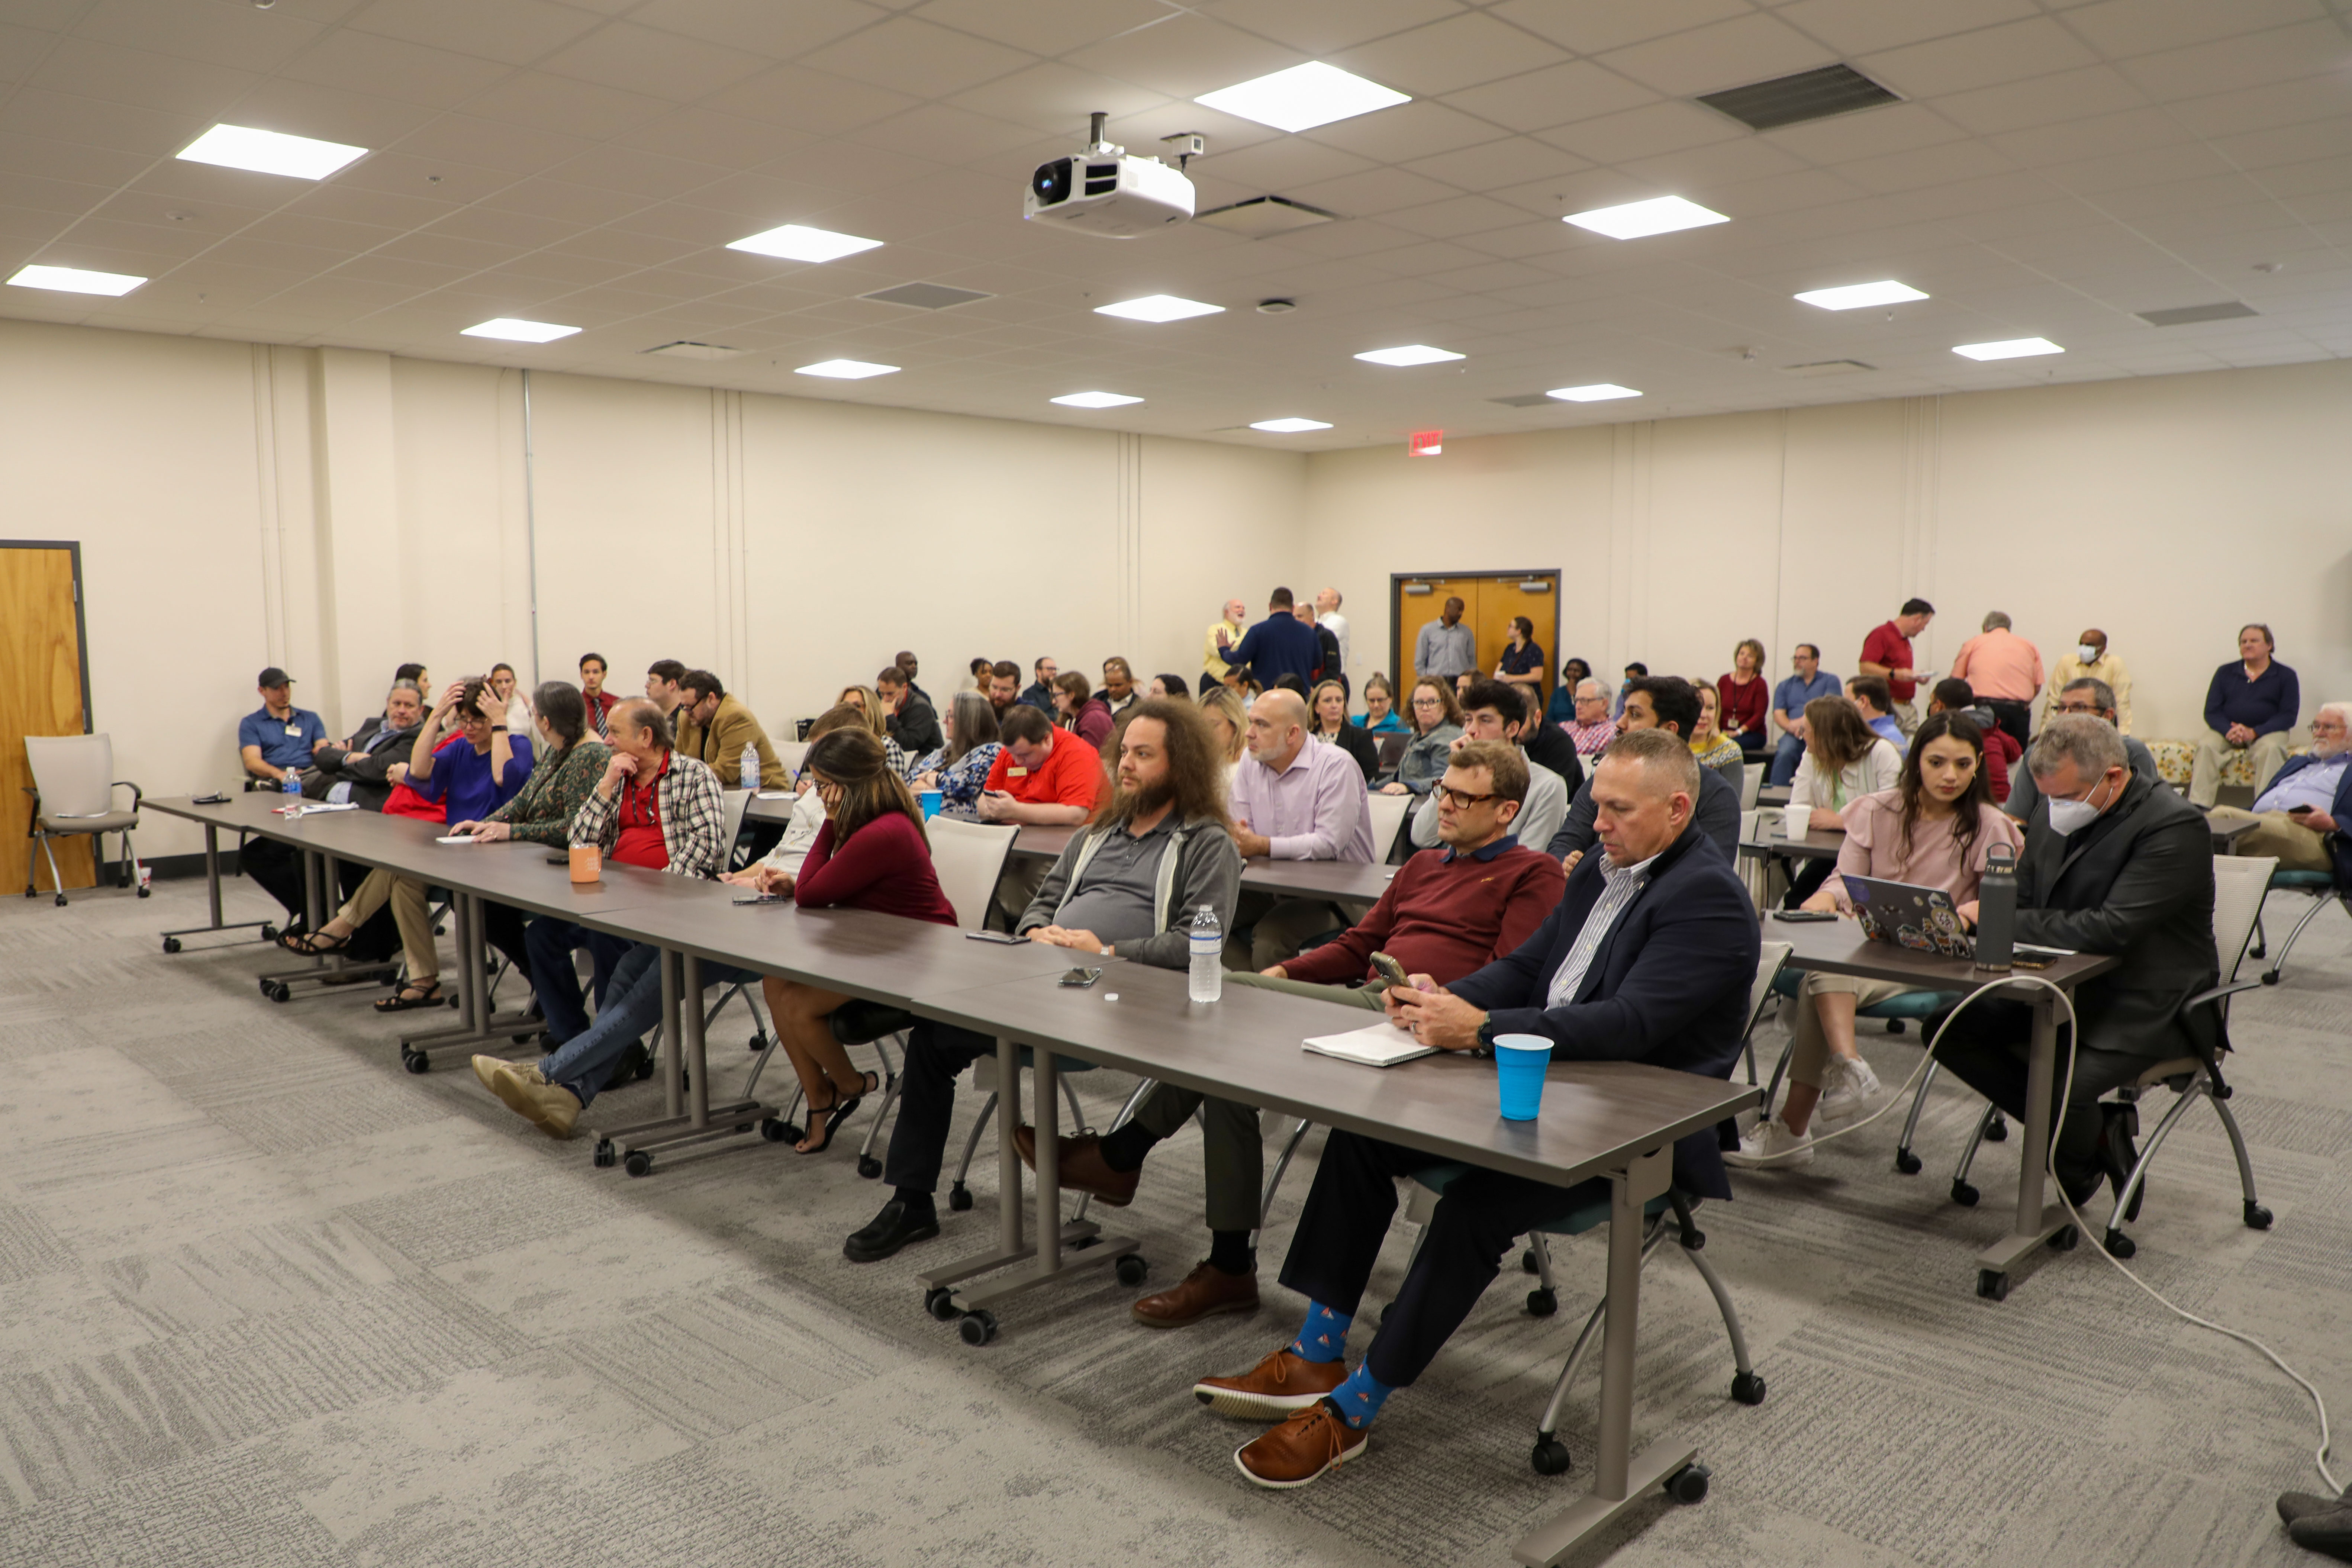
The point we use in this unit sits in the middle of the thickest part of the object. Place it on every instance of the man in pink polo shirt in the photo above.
(2005, 672)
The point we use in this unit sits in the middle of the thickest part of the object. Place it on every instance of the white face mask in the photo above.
(2087, 653)
(2070, 817)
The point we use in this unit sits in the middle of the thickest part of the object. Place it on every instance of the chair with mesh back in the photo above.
(73, 795)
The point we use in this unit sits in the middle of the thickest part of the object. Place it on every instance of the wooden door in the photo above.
(41, 694)
(1416, 609)
(1489, 600)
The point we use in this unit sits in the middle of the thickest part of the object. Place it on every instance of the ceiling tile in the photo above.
(913, 56)
(1720, 55)
(2280, 55)
(1864, 134)
(808, 100)
(1281, 163)
(518, 32)
(1492, 165)
(2254, 108)
(233, 35)
(662, 65)
(2064, 95)
(1555, 95)
(1589, 28)
(1460, 215)
(1988, 57)
(1667, 127)
(2123, 29)
(116, 127)
(1186, 58)
(1405, 131)
(1372, 192)
(1055, 99)
(565, 107)
(1863, 26)
(1048, 27)
(759, 26)
(727, 141)
(1447, 56)
(112, 74)
(334, 114)
(392, 67)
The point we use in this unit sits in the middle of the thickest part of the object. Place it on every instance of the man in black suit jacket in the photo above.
(2113, 864)
(1648, 957)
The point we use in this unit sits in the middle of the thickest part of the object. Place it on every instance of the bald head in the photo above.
(637, 726)
(1277, 728)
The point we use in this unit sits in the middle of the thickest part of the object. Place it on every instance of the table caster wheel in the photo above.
(638, 1163)
(775, 1129)
(61, 901)
(2063, 1239)
(1527, 1262)
(2257, 1218)
(1131, 1269)
(1894, 1026)
(756, 1043)
(171, 944)
(1997, 1130)
(959, 1197)
(1542, 1303)
(280, 992)
(2118, 1245)
(144, 891)
(265, 987)
(606, 1156)
(1964, 1195)
(1907, 1162)
(1549, 1456)
(269, 933)
(417, 1061)
(1993, 1285)
(869, 1167)
(1689, 1483)
(1748, 1388)
(939, 1301)
(978, 1328)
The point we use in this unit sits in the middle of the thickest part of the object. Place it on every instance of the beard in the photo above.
(1142, 799)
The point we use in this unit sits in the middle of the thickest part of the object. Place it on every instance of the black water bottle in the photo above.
(1997, 910)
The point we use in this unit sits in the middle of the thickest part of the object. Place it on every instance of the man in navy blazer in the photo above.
(1648, 957)
(1279, 645)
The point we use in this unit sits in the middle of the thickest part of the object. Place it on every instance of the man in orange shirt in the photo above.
(2005, 672)
(1044, 777)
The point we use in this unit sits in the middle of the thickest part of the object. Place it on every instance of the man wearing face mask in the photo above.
(2113, 864)
(2090, 662)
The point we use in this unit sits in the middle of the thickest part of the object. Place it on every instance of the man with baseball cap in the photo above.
(277, 739)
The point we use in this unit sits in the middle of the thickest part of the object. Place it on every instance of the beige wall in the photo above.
(2166, 510)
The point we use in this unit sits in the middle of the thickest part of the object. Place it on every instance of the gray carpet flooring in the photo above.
(266, 1299)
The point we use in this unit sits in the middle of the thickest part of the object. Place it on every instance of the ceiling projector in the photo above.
(1103, 191)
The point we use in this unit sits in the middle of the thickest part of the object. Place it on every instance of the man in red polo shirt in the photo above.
(1887, 653)
(1046, 777)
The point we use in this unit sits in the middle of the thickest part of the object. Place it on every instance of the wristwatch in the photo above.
(1486, 1045)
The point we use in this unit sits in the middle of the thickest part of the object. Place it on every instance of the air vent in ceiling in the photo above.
(1826, 368)
(2184, 315)
(1794, 100)
(1527, 400)
(926, 296)
(1263, 217)
(687, 349)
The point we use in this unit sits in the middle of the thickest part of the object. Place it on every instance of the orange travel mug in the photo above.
(587, 863)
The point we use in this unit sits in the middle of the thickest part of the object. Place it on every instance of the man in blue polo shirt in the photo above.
(279, 737)
(1789, 700)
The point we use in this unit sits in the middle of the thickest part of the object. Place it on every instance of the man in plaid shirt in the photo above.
(654, 807)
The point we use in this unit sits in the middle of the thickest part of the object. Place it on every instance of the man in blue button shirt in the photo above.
(279, 737)
(1279, 645)
(1789, 700)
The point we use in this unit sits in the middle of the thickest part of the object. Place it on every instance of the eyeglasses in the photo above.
(1427, 702)
(1460, 800)
(2067, 707)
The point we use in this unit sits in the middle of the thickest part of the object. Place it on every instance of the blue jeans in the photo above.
(630, 1008)
(1785, 759)
(549, 943)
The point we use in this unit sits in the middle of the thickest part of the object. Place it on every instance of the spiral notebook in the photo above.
(1380, 1045)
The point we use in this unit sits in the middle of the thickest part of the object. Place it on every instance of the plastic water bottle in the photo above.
(1208, 956)
(292, 783)
(748, 776)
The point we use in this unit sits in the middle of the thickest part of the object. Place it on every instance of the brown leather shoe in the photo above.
(1299, 1450)
(1082, 1169)
(1205, 1293)
(1281, 1383)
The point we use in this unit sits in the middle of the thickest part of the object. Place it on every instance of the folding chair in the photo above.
(1388, 813)
(73, 795)
(2323, 889)
(1752, 784)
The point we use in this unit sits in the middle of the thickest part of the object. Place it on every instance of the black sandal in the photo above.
(411, 997)
(309, 944)
(839, 1111)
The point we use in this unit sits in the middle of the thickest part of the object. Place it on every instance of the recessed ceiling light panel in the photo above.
(1859, 296)
(1410, 354)
(1639, 220)
(2013, 348)
(519, 332)
(269, 153)
(1094, 400)
(1304, 97)
(846, 369)
(75, 280)
(1289, 426)
(1599, 391)
(1158, 308)
(796, 242)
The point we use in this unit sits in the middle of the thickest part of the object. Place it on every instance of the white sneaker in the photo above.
(1852, 1087)
(1773, 1145)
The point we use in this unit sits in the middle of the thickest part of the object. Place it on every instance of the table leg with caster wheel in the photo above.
(477, 1032)
(686, 1060)
(2036, 1221)
(213, 899)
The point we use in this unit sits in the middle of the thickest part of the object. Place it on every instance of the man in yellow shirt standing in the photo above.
(1222, 635)
(2091, 658)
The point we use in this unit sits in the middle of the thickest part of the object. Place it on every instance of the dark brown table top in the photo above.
(1815, 845)
(1840, 948)
(1247, 1046)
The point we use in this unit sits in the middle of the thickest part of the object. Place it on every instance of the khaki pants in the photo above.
(1809, 1050)
(409, 912)
(2298, 848)
(1279, 928)
(1368, 996)
(2205, 775)
(1906, 717)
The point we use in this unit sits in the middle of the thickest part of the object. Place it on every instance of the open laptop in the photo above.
(1923, 919)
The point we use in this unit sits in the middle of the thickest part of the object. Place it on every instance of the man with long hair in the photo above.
(1155, 850)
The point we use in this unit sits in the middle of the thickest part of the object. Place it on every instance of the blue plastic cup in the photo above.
(931, 799)
(1519, 1063)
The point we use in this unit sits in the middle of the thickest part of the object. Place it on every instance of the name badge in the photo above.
(1016, 773)
(295, 730)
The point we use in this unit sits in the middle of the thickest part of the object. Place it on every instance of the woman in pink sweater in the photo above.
(871, 854)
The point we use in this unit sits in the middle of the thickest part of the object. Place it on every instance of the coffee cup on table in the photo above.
(1797, 820)
(587, 863)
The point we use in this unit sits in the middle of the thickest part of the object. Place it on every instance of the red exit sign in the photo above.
(1424, 444)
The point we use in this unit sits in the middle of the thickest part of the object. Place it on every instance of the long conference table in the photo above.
(1611, 1121)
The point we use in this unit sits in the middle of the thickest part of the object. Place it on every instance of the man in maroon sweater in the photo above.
(1450, 911)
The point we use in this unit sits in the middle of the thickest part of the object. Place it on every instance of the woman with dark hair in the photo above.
(871, 854)
(1078, 710)
(502, 686)
(1522, 663)
(1745, 696)
(1562, 710)
(1935, 829)
(1436, 720)
(958, 770)
(1326, 721)
(1172, 687)
(976, 678)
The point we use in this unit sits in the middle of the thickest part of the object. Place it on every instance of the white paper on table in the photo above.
(458, 839)
(1380, 1045)
(774, 794)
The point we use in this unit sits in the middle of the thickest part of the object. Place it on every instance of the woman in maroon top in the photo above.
(1744, 695)
(1077, 709)
(871, 854)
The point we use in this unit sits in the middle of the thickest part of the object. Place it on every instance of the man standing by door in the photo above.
(1446, 647)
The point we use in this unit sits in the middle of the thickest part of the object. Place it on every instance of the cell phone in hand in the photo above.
(2298, 811)
(1803, 917)
(1390, 970)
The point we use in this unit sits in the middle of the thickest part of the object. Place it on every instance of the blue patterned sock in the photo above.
(1359, 1398)
(1324, 1337)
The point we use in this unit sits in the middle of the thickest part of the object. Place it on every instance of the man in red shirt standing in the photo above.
(1887, 653)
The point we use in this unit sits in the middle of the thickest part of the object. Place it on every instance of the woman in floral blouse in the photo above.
(959, 768)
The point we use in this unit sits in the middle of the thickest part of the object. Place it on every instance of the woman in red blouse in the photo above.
(871, 854)
(1744, 697)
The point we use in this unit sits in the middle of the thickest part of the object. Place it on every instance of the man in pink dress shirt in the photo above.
(2005, 672)
(1292, 800)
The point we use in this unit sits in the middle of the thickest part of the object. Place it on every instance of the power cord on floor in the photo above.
(2081, 1225)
